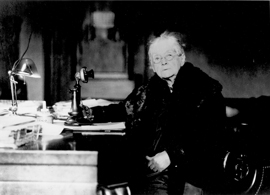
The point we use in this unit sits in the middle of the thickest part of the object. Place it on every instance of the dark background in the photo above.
(227, 39)
(228, 32)
(231, 33)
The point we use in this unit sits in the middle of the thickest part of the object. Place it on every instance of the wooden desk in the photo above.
(67, 164)
(35, 172)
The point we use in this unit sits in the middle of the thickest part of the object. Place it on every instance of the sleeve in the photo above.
(115, 112)
(110, 113)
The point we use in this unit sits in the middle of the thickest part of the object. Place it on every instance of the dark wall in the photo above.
(10, 27)
(229, 40)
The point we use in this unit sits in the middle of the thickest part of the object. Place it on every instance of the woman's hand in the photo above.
(87, 112)
(159, 162)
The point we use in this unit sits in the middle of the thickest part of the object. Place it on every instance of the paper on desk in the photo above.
(87, 102)
(62, 108)
(13, 120)
(46, 128)
(3, 110)
(113, 126)
(50, 129)
(96, 102)
(25, 107)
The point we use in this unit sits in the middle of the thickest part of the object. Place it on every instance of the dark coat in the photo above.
(187, 123)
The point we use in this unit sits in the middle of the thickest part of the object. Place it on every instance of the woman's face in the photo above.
(166, 58)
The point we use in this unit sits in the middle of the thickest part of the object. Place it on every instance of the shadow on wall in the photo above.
(240, 83)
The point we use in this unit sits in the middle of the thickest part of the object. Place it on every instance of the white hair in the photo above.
(174, 37)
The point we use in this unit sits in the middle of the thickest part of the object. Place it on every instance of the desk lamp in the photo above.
(76, 114)
(23, 67)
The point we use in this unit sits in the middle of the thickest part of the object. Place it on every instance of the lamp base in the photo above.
(77, 121)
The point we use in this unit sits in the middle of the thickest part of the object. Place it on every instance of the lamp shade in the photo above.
(25, 67)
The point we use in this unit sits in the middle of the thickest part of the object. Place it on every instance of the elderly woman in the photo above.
(173, 123)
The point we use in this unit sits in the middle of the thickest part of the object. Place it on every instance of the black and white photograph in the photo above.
(134, 97)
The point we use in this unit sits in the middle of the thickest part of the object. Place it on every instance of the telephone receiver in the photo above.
(85, 74)
(76, 114)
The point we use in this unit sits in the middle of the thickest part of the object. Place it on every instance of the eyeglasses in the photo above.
(168, 57)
